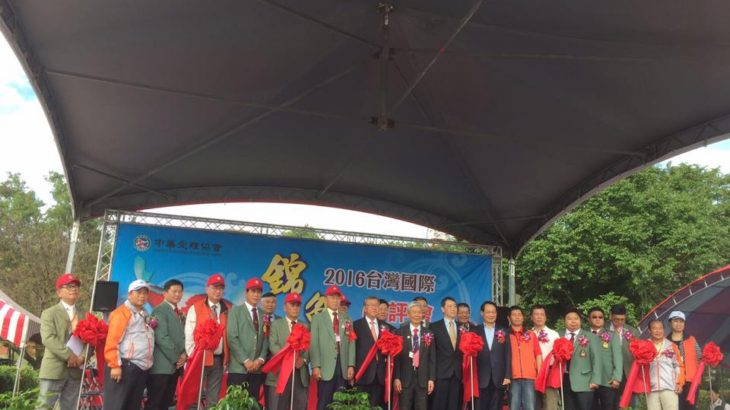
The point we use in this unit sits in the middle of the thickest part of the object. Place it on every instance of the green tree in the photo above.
(640, 239)
(305, 232)
(34, 243)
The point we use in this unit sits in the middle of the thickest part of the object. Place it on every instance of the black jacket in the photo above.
(494, 365)
(448, 359)
(404, 363)
(363, 344)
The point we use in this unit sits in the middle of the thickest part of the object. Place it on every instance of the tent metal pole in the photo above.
(72, 245)
(511, 278)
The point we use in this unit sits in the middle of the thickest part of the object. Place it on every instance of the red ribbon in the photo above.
(554, 365)
(207, 337)
(712, 356)
(92, 331)
(284, 360)
(389, 346)
(644, 353)
(470, 345)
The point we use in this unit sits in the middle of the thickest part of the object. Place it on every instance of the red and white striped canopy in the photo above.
(14, 324)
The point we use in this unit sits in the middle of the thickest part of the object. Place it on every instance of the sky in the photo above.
(27, 147)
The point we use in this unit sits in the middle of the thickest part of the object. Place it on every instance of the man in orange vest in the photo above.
(211, 308)
(526, 361)
(690, 351)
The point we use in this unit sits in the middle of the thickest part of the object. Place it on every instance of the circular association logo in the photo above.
(142, 243)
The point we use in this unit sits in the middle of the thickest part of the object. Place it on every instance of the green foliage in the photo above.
(304, 232)
(351, 399)
(642, 238)
(26, 400)
(605, 302)
(28, 379)
(237, 398)
(34, 243)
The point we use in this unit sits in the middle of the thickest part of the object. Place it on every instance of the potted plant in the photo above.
(351, 399)
(237, 398)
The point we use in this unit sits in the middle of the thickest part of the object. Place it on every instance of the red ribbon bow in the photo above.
(207, 337)
(389, 345)
(92, 331)
(284, 360)
(470, 345)
(551, 372)
(712, 356)
(644, 353)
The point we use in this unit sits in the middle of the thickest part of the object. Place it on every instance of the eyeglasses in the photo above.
(596, 317)
(71, 286)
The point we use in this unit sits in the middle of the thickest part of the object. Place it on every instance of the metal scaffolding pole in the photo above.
(72, 245)
(512, 291)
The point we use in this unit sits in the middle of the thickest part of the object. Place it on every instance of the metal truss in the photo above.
(112, 218)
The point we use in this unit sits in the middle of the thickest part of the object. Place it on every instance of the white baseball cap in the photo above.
(137, 285)
(677, 315)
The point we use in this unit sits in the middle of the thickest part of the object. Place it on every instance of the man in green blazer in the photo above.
(280, 331)
(611, 361)
(624, 334)
(332, 352)
(60, 375)
(584, 371)
(247, 341)
(169, 353)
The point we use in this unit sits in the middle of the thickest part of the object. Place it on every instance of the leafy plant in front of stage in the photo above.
(237, 398)
(351, 399)
(27, 400)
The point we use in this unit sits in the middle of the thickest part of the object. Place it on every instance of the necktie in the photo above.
(215, 312)
(416, 351)
(293, 323)
(416, 343)
(335, 324)
(452, 333)
(372, 330)
(595, 332)
(255, 316)
(572, 337)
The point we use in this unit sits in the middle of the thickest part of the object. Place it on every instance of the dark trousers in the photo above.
(161, 390)
(414, 397)
(576, 400)
(490, 397)
(446, 394)
(683, 403)
(376, 392)
(301, 395)
(253, 381)
(127, 394)
(603, 398)
(326, 389)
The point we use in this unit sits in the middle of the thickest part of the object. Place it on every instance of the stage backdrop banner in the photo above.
(157, 254)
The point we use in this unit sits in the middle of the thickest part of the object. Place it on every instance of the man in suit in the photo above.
(609, 378)
(623, 333)
(583, 371)
(368, 330)
(213, 307)
(169, 355)
(246, 340)
(463, 314)
(383, 314)
(280, 331)
(60, 376)
(415, 366)
(494, 361)
(129, 350)
(448, 358)
(331, 351)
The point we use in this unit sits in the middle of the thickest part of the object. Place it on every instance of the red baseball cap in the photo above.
(333, 290)
(216, 280)
(293, 297)
(66, 279)
(344, 301)
(254, 283)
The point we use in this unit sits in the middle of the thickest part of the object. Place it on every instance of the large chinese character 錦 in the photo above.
(283, 274)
